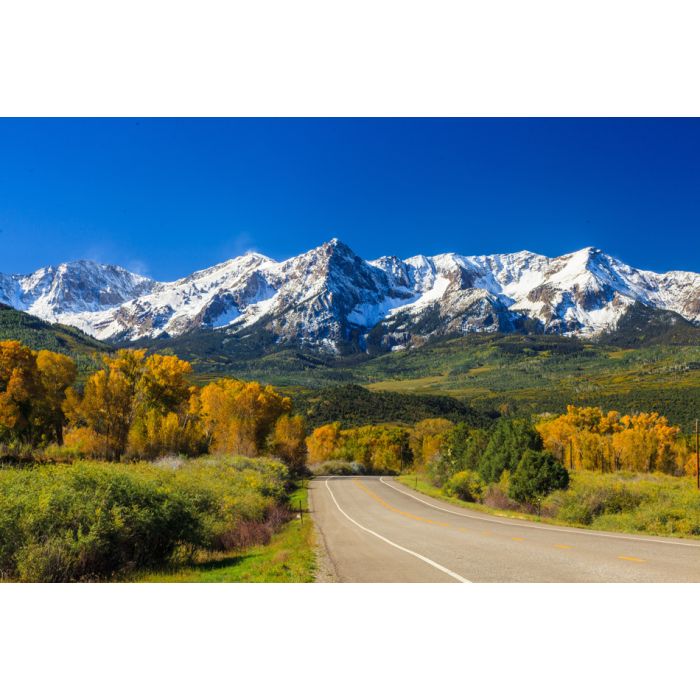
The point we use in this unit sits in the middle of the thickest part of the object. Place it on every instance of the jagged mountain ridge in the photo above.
(330, 299)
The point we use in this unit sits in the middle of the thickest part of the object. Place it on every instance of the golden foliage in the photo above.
(85, 441)
(238, 416)
(427, 438)
(288, 440)
(323, 443)
(140, 406)
(18, 388)
(586, 438)
(32, 389)
(380, 447)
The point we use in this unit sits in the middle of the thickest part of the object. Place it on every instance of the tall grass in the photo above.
(99, 521)
(629, 501)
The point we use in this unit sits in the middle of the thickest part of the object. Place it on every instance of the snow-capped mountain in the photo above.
(71, 290)
(330, 299)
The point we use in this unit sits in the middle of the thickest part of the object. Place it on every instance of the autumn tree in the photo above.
(106, 409)
(19, 390)
(135, 403)
(323, 443)
(238, 416)
(427, 437)
(164, 383)
(390, 448)
(32, 390)
(647, 443)
(56, 373)
(587, 438)
(376, 447)
(166, 416)
(288, 441)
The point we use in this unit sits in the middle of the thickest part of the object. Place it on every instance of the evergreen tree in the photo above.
(509, 441)
(536, 475)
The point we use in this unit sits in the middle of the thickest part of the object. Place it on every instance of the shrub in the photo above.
(536, 475)
(589, 501)
(90, 521)
(466, 485)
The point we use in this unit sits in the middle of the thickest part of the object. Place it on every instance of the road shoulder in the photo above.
(420, 485)
(325, 568)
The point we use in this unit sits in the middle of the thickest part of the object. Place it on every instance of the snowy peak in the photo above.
(328, 298)
(75, 287)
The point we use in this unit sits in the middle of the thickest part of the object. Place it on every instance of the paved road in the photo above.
(378, 530)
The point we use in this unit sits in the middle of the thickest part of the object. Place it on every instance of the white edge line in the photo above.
(432, 563)
(512, 522)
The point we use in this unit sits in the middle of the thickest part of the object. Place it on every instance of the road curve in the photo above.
(377, 530)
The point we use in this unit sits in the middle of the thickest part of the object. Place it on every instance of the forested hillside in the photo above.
(40, 335)
(514, 374)
(353, 405)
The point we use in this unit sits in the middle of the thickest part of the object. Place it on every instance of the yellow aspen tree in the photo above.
(56, 374)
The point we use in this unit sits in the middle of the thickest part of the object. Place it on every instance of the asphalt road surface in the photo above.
(378, 530)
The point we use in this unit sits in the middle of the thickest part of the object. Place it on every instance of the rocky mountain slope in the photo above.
(330, 299)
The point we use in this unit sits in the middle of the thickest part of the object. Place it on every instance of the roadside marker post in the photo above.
(697, 454)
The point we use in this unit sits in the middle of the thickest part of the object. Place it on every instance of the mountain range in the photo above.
(330, 300)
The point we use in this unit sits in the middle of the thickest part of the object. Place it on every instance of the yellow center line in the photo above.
(488, 533)
(388, 506)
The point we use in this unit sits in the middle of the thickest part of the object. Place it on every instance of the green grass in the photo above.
(288, 558)
(653, 504)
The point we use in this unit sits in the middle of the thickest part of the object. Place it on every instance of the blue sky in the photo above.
(166, 197)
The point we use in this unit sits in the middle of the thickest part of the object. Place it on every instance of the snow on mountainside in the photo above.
(330, 299)
(71, 290)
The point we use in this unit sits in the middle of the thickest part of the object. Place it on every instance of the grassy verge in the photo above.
(652, 504)
(288, 558)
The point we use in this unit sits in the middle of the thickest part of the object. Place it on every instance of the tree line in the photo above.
(140, 407)
(588, 438)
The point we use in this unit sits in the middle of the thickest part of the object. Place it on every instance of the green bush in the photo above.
(466, 485)
(593, 502)
(536, 475)
(95, 521)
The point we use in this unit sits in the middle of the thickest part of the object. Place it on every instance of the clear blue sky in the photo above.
(170, 196)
